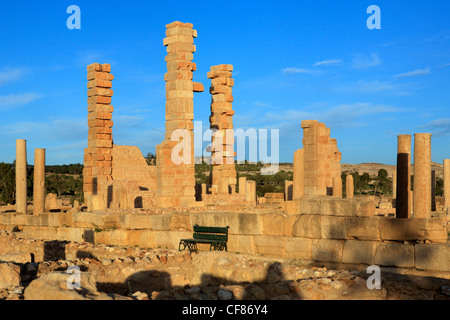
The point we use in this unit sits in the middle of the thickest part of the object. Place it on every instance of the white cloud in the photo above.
(439, 127)
(11, 75)
(16, 100)
(343, 115)
(362, 61)
(295, 70)
(328, 63)
(418, 72)
(363, 86)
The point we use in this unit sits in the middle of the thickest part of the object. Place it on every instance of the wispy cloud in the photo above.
(363, 86)
(362, 61)
(295, 70)
(328, 63)
(54, 130)
(17, 100)
(444, 65)
(415, 73)
(342, 115)
(439, 127)
(11, 75)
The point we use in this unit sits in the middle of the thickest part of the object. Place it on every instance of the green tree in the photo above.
(7, 183)
(151, 159)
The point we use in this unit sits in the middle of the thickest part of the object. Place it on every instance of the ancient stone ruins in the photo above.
(134, 214)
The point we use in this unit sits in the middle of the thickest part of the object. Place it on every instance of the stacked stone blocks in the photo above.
(322, 158)
(176, 181)
(97, 170)
(221, 123)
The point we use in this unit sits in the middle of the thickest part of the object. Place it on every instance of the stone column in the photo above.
(175, 175)
(446, 184)
(288, 190)
(403, 203)
(337, 186)
(299, 174)
(433, 190)
(242, 186)
(349, 187)
(21, 176)
(394, 185)
(250, 192)
(221, 123)
(97, 171)
(39, 182)
(422, 175)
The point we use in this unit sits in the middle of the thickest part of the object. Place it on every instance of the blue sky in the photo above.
(293, 61)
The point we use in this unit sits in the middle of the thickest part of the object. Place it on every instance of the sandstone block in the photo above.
(299, 248)
(270, 245)
(276, 225)
(333, 227)
(241, 243)
(362, 228)
(327, 250)
(307, 226)
(432, 257)
(394, 254)
(356, 251)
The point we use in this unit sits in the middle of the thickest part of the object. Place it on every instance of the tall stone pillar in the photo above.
(299, 174)
(446, 184)
(175, 163)
(250, 192)
(97, 171)
(21, 176)
(349, 187)
(394, 185)
(422, 175)
(39, 182)
(288, 190)
(403, 203)
(433, 190)
(337, 186)
(242, 186)
(221, 123)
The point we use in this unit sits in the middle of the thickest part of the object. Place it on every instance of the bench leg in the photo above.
(192, 246)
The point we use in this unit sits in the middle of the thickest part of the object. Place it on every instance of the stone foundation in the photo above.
(350, 236)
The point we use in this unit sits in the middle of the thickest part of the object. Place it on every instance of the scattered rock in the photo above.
(224, 295)
(445, 290)
(9, 275)
(16, 257)
(282, 297)
(54, 286)
(258, 292)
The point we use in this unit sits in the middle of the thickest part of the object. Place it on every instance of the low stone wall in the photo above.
(344, 237)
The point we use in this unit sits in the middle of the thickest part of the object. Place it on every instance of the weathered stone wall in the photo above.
(322, 168)
(134, 184)
(342, 238)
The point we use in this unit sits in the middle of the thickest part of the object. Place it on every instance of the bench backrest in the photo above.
(211, 233)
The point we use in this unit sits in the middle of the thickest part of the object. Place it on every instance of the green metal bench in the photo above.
(217, 237)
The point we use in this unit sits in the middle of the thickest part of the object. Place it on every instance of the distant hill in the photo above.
(372, 168)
